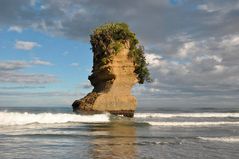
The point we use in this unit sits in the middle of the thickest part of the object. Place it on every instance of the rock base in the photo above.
(95, 103)
(126, 113)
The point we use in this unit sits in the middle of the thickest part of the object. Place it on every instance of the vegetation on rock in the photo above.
(108, 39)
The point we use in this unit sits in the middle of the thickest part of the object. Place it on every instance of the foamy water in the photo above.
(16, 118)
(186, 115)
(167, 134)
(192, 124)
(147, 117)
(231, 139)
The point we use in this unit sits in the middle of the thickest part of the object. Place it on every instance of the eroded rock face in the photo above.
(112, 87)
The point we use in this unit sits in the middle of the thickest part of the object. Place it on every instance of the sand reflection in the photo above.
(117, 140)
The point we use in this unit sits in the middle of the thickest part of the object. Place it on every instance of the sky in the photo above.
(191, 47)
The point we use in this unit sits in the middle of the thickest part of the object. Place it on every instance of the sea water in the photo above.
(31, 132)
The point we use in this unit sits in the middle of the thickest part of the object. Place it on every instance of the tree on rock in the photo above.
(108, 39)
(118, 63)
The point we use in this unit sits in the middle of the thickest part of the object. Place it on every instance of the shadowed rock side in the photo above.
(112, 86)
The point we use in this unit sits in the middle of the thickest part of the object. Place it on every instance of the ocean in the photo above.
(162, 133)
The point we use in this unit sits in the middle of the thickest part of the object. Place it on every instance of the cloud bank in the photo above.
(25, 45)
(10, 72)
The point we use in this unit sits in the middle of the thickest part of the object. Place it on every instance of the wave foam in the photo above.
(231, 139)
(186, 115)
(15, 118)
(192, 124)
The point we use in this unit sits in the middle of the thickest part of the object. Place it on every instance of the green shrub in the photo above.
(109, 38)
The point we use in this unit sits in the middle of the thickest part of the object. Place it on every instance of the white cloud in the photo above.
(153, 59)
(209, 69)
(32, 2)
(12, 65)
(19, 77)
(186, 49)
(41, 62)
(43, 7)
(16, 65)
(208, 57)
(203, 7)
(25, 45)
(208, 8)
(75, 64)
(9, 72)
(225, 7)
(15, 29)
(219, 68)
(230, 41)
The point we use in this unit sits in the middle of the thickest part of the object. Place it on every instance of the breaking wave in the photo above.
(16, 118)
(230, 139)
(186, 115)
(192, 124)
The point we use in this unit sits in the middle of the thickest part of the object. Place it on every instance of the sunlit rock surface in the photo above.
(112, 86)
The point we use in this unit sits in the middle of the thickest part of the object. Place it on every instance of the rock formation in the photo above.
(114, 74)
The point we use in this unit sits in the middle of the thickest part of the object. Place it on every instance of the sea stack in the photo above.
(118, 64)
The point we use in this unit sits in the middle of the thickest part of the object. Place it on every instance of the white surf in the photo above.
(186, 115)
(192, 124)
(230, 139)
(17, 118)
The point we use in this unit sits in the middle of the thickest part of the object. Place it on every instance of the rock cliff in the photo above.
(117, 65)
(112, 87)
